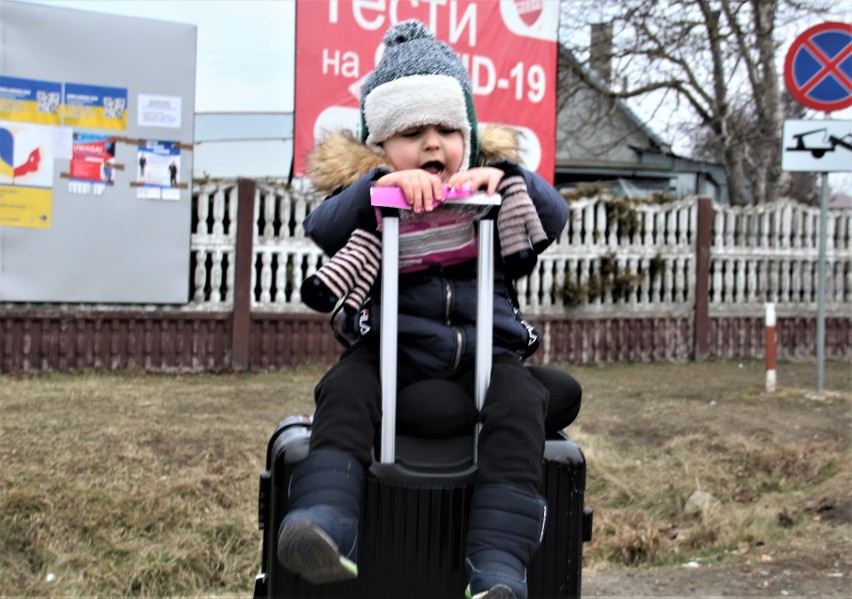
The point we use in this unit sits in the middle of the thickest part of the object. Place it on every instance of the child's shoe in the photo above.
(304, 548)
(506, 526)
(318, 538)
(500, 591)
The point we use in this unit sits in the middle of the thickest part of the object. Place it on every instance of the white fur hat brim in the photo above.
(416, 101)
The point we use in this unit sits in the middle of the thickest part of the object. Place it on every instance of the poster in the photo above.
(93, 158)
(95, 107)
(159, 111)
(508, 47)
(158, 170)
(26, 174)
(30, 101)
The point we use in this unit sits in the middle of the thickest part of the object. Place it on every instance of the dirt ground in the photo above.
(814, 559)
(111, 507)
(821, 574)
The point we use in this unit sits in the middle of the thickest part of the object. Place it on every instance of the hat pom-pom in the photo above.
(407, 31)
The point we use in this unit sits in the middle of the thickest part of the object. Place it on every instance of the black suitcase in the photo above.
(413, 526)
(417, 495)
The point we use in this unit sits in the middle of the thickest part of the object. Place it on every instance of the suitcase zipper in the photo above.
(448, 299)
(457, 360)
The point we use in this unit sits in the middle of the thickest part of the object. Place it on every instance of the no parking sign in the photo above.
(818, 72)
(818, 67)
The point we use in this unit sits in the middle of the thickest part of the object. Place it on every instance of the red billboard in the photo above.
(508, 47)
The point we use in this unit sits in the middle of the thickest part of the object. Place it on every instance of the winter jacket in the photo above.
(437, 306)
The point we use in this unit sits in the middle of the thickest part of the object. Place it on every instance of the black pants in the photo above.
(511, 441)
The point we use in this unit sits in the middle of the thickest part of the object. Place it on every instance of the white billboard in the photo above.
(96, 134)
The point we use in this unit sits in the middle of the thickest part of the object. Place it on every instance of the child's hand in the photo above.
(422, 189)
(477, 178)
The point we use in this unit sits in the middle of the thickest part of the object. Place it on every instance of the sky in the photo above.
(249, 45)
(242, 44)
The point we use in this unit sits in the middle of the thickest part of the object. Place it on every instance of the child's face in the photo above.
(432, 148)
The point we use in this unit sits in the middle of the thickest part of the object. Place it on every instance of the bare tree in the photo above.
(745, 127)
(802, 186)
(710, 61)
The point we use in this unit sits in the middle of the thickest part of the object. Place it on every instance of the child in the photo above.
(419, 131)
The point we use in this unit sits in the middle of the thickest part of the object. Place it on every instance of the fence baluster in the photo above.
(216, 277)
(229, 277)
(200, 275)
(218, 213)
(757, 253)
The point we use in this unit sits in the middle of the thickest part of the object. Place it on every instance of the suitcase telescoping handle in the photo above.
(389, 199)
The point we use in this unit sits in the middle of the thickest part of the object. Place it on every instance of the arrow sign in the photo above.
(818, 67)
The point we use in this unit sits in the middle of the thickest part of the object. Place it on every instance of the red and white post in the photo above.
(771, 351)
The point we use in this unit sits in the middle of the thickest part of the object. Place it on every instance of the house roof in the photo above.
(840, 201)
(243, 144)
(621, 105)
(243, 126)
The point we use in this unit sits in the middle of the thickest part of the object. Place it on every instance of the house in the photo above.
(257, 145)
(840, 201)
(601, 140)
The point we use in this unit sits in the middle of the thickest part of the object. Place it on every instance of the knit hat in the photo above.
(419, 81)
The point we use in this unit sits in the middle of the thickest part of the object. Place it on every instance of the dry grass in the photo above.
(116, 484)
(776, 467)
(133, 484)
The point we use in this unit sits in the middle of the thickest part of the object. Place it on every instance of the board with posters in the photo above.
(509, 48)
(80, 92)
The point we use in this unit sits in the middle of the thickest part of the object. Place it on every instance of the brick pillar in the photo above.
(702, 277)
(243, 265)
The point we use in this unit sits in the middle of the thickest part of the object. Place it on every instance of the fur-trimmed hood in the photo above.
(339, 159)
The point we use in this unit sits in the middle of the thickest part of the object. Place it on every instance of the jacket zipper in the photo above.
(448, 298)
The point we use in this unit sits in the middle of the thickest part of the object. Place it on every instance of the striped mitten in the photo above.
(521, 235)
(350, 273)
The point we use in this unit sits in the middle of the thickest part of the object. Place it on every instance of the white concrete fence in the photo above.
(642, 262)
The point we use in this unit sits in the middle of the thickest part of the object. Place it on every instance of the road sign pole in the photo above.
(820, 332)
(815, 75)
